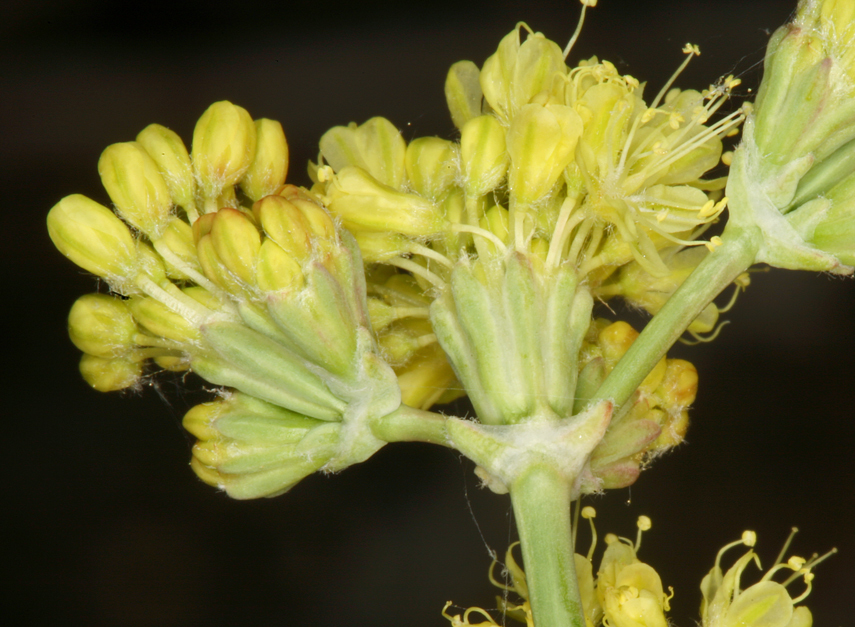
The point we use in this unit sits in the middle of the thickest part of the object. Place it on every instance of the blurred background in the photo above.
(106, 523)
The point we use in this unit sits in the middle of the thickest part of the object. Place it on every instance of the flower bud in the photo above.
(432, 166)
(483, 155)
(92, 237)
(177, 239)
(283, 223)
(110, 375)
(135, 186)
(236, 241)
(362, 202)
(224, 143)
(102, 325)
(160, 320)
(427, 379)
(269, 167)
(463, 92)
(541, 143)
(251, 448)
(376, 146)
(276, 269)
(169, 153)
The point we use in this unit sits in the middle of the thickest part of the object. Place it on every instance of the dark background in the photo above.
(107, 525)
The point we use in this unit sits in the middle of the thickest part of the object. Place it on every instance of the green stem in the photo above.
(541, 500)
(407, 424)
(714, 274)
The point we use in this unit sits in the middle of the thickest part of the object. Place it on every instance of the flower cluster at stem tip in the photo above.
(411, 273)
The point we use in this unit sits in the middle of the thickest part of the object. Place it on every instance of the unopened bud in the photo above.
(463, 92)
(269, 167)
(135, 186)
(110, 375)
(236, 241)
(173, 162)
(376, 146)
(276, 269)
(92, 237)
(102, 325)
(223, 147)
(432, 166)
(483, 155)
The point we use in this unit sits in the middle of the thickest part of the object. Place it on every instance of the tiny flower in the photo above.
(102, 325)
(173, 161)
(376, 146)
(269, 166)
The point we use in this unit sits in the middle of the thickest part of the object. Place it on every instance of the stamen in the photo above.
(585, 5)
(644, 523)
(690, 50)
(786, 546)
(590, 513)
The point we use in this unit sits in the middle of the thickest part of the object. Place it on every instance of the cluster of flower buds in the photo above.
(792, 176)
(220, 267)
(654, 420)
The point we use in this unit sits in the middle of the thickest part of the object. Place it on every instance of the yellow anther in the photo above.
(749, 538)
(675, 120)
(589, 512)
(707, 210)
(631, 81)
(644, 523)
(692, 49)
(648, 115)
(610, 538)
(711, 245)
(731, 83)
(589, 3)
(727, 157)
(796, 562)
(325, 173)
(660, 217)
(732, 133)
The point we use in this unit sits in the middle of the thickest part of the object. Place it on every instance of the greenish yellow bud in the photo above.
(92, 237)
(381, 247)
(173, 363)
(376, 146)
(160, 320)
(267, 172)
(254, 449)
(276, 269)
(432, 166)
(101, 325)
(173, 162)
(283, 223)
(463, 92)
(110, 375)
(496, 221)
(177, 239)
(427, 379)
(224, 143)
(363, 202)
(320, 224)
(541, 143)
(236, 241)
(214, 268)
(135, 185)
(483, 155)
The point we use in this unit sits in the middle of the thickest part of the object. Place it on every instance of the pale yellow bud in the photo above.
(102, 325)
(92, 237)
(135, 186)
(224, 143)
(463, 92)
(110, 375)
(267, 172)
(432, 166)
(276, 269)
(173, 162)
(376, 146)
(236, 241)
(483, 155)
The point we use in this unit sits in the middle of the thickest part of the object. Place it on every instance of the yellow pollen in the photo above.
(648, 115)
(796, 562)
(733, 133)
(589, 512)
(644, 523)
(727, 157)
(675, 120)
(749, 538)
(660, 217)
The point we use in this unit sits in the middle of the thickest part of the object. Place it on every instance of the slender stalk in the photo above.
(709, 279)
(541, 500)
(407, 424)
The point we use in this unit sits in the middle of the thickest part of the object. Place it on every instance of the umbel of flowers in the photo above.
(411, 273)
